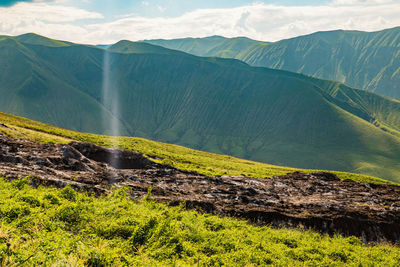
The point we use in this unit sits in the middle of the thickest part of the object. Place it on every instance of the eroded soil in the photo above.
(320, 201)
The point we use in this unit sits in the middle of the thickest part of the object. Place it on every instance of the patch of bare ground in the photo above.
(320, 201)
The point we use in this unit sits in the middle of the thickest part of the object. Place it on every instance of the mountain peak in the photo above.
(129, 47)
(36, 39)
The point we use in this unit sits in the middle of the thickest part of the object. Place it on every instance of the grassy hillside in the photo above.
(32, 38)
(216, 105)
(213, 46)
(360, 59)
(178, 156)
(125, 46)
(61, 227)
(30, 87)
(52, 227)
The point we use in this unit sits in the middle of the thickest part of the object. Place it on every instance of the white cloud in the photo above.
(161, 8)
(46, 19)
(361, 2)
(258, 21)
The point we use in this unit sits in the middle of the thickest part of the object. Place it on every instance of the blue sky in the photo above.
(152, 8)
(170, 8)
(107, 21)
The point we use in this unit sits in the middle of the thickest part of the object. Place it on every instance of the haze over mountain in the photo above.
(366, 60)
(212, 104)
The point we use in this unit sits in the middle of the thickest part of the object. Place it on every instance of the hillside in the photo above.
(211, 104)
(303, 198)
(181, 157)
(112, 229)
(213, 46)
(366, 60)
(47, 226)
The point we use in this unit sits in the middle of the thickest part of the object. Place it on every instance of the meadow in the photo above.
(60, 227)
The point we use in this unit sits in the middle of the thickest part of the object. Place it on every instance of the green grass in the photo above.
(53, 227)
(178, 156)
(32, 38)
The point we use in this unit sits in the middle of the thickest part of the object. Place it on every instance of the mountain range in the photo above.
(365, 60)
(208, 103)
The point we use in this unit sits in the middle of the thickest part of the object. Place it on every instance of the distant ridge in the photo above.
(366, 60)
(33, 38)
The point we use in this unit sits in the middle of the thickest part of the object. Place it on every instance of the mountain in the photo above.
(37, 87)
(213, 46)
(212, 104)
(366, 60)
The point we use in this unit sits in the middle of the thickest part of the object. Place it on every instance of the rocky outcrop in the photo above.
(319, 201)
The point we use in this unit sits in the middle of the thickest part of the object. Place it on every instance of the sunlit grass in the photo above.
(59, 227)
(178, 156)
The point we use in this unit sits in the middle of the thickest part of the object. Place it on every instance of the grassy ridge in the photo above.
(367, 60)
(53, 227)
(178, 156)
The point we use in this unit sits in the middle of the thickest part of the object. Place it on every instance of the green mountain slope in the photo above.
(213, 46)
(178, 156)
(32, 38)
(125, 46)
(31, 86)
(211, 104)
(367, 60)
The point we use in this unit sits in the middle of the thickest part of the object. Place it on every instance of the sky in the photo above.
(108, 21)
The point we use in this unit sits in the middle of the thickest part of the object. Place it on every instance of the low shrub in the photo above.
(61, 227)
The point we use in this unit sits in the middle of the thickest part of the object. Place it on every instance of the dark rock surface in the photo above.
(320, 201)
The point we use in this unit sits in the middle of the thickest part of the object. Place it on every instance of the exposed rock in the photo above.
(70, 152)
(320, 201)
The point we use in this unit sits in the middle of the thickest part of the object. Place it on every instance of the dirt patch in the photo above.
(118, 159)
(320, 201)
